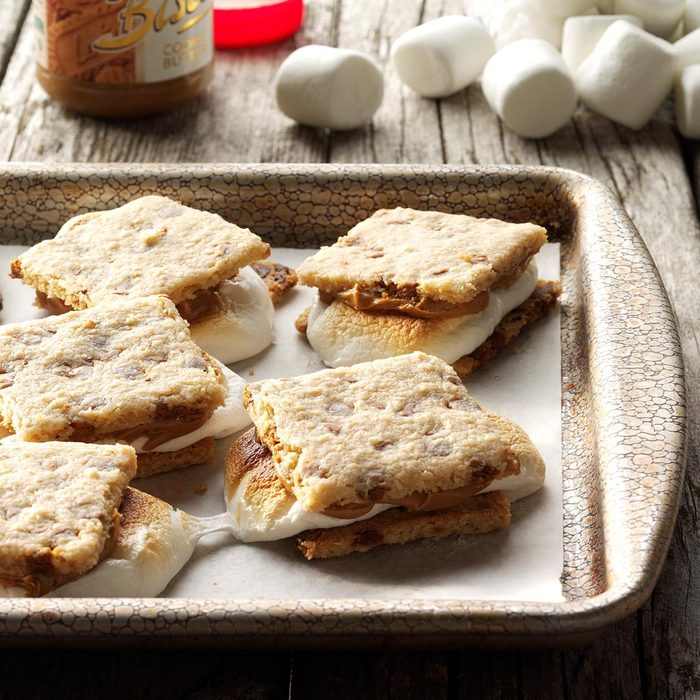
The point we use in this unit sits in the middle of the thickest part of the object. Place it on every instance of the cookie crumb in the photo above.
(201, 490)
(251, 372)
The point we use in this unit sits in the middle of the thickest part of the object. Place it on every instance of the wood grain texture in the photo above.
(653, 654)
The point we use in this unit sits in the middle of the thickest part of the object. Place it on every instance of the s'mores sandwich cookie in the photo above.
(124, 371)
(449, 285)
(154, 245)
(383, 452)
(70, 525)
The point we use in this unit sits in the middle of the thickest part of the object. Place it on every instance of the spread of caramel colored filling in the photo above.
(124, 100)
(159, 432)
(389, 298)
(421, 500)
(378, 300)
(205, 302)
(55, 306)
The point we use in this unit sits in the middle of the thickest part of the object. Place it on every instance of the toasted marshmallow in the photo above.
(452, 339)
(152, 546)
(226, 420)
(244, 327)
(251, 524)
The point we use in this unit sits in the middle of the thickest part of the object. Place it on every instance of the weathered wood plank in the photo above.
(236, 120)
(371, 676)
(12, 13)
(137, 673)
(398, 131)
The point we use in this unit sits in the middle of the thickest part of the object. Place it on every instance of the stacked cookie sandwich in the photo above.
(154, 245)
(382, 452)
(70, 525)
(123, 371)
(453, 286)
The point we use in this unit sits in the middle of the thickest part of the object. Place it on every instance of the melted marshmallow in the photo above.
(449, 346)
(245, 327)
(517, 486)
(249, 526)
(141, 568)
(226, 420)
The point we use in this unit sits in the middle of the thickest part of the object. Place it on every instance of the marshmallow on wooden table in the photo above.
(660, 17)
(534, 19)
(529, 86)
(443, 56)
(581, 34)
(327, 87)
(688, 102)
(687, 50)
(627, 75)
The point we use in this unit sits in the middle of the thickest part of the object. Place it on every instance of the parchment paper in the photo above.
(523, 563)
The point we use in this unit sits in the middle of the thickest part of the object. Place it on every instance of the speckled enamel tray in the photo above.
(623, 403)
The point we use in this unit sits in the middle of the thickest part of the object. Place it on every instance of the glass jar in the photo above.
(123, 58)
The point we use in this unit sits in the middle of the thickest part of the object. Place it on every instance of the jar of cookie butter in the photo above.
(123, 58)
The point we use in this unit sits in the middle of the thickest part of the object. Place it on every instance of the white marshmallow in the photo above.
(245, 323)
(327, 87)
(341, 347)
(441, 57)
(525, 19)
(627, 75)
(226, 419)
(140, 565)
(688, 102)
(529, 86)
(687, 50)
(660, 17)
(692, 16)
(249, 524)
(581, 34)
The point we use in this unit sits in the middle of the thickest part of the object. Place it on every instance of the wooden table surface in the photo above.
(652, 654)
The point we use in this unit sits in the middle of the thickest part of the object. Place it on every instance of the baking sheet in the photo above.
(523, 563)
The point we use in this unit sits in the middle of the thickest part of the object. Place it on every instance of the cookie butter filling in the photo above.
(224, 421)
(519, 479)
(389, 298)
(450, 341)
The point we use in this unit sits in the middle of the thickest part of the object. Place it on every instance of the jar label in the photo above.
(123, 41)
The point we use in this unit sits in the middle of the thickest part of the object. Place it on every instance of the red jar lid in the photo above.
(250, 23)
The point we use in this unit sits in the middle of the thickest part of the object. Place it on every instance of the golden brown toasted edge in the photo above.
(537, 305)
(139, 508)
(483, 513)
(250, 459)
(279, 279)
(152, 463)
